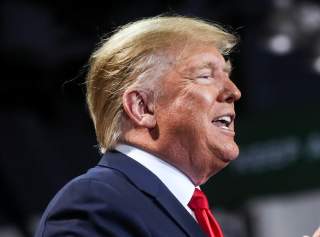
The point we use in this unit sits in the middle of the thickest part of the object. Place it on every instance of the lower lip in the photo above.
(227, 131)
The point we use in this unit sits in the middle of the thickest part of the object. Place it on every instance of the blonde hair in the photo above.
(131, 55)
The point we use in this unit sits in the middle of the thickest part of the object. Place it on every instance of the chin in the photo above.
(232, 152)
(229, 152)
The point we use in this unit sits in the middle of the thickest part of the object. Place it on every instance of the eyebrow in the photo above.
(227, 66)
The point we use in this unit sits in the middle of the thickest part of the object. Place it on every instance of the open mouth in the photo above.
(224, 121)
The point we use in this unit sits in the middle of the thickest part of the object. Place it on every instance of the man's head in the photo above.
(162, 84)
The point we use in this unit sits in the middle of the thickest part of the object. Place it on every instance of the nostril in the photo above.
(227, 96)
(230, 99)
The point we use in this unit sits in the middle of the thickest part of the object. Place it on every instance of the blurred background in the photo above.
(47, 138)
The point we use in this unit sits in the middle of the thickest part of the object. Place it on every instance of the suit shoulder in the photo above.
(91, 200)
(95, 182)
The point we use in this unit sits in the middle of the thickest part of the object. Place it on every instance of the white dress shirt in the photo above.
(176, 181)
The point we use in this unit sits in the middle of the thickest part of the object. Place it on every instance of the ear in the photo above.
(139, 107)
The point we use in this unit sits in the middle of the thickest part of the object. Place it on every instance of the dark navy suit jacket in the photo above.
(119, 197)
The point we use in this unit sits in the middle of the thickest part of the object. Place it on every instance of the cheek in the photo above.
(207, 98)
(191, 108)
(202, 100)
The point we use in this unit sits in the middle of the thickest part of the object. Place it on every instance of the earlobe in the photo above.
(139, 107)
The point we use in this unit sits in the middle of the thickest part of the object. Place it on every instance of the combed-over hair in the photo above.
(135, 53)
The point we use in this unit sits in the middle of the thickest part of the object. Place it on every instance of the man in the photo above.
(162, 103)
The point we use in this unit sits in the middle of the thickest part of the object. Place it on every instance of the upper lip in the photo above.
(225, 115)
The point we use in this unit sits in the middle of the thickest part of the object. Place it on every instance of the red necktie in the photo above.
(199, 205)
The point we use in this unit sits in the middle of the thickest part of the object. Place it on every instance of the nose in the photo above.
(229, 92)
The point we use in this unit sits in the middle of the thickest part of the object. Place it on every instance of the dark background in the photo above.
(47, 137)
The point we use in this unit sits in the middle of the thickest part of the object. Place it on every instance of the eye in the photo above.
(204, 77)
(204, 73)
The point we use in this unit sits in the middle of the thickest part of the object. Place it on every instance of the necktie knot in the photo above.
(198, 200)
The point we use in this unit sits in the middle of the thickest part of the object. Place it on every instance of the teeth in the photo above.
(225, 118)
(224, 122)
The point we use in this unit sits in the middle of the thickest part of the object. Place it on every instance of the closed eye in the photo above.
(205, 76)
(204, 79)
(204, 73)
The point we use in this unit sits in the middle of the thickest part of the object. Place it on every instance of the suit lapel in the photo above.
(149, 183)
(178, 213)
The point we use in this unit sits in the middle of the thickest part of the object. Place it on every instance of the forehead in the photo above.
(202, 57)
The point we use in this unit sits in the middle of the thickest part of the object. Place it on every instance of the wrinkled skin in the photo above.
(195, 92)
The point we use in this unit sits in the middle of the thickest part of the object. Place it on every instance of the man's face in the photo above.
(195, 114)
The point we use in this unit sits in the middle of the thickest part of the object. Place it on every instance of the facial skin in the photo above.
(182, 126)
(195, 93)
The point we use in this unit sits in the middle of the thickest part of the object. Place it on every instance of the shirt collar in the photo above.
(168, 174)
